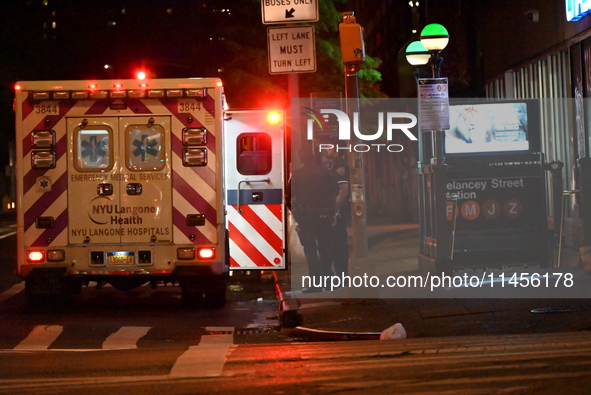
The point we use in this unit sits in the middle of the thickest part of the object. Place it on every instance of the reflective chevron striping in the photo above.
(256, 234)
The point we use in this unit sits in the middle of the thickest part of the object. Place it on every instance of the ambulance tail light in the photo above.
(185, 253)
(206, 253)
(56, 255)
(195, 156)
(35, 256)
(43, 160)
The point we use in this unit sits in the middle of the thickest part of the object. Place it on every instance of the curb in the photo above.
(290, 316)
(310, 334)
(289, 309)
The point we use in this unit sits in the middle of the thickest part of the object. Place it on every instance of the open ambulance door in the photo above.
(254, 163)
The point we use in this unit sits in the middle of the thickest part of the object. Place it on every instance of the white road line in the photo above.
(10, 292)
(40, 337)
(206, 359)
(7, 235)
(125, 338)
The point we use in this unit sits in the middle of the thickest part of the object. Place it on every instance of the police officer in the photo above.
(339, 169)
(313, 192)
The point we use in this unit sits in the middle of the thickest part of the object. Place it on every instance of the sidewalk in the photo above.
(394, 249)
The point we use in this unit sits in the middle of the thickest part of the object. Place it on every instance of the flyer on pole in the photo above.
(433, 104)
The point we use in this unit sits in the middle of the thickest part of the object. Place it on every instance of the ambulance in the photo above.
(128, 182)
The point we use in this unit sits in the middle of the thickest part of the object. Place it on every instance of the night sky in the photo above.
(75, 39)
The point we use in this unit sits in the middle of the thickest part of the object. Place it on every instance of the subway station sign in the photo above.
(577, 9)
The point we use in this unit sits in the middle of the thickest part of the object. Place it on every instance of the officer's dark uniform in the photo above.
(313, 192)
(339, 238)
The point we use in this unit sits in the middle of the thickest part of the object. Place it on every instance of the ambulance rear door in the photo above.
(119, 180)
(254, 161)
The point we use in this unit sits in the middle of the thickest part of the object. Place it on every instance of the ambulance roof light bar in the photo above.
(105, 89)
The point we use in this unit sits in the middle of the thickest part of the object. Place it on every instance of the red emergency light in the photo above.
(273, 117)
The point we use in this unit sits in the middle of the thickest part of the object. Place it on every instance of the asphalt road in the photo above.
(542, 363)
(145, 342)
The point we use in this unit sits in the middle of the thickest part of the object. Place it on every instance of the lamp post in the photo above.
(435, 247)
(418, 56)
(434, 38)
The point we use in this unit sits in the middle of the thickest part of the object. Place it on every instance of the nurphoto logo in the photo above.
(387, 122)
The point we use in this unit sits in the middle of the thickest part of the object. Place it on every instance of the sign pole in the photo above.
(357, 180)
(434, 118)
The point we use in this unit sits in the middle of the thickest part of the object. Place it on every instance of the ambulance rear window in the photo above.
(145, 147)
(254, 153)
(93, 149)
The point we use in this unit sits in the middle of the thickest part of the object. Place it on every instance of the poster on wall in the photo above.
(577, 86)
(586, 54)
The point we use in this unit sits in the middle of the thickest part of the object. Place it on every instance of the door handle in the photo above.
(266, 180)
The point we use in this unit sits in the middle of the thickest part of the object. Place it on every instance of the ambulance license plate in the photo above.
(120, 258)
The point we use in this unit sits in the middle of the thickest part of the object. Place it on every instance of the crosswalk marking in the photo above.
(40, 337)
(206, 359)
(125, 338)
(203, 360)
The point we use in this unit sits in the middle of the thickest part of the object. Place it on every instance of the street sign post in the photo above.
(291, 49)
(289, 11)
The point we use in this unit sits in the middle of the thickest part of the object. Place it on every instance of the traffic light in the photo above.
(351, 35)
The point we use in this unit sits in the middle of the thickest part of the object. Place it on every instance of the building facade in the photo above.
(546, 55)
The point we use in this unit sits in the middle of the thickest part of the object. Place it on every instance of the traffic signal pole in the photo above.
(353, 54)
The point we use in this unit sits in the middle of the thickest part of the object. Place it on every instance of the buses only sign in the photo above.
(291, 49)
(289, 11)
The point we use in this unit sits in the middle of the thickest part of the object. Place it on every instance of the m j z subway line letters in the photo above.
(469, 191)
